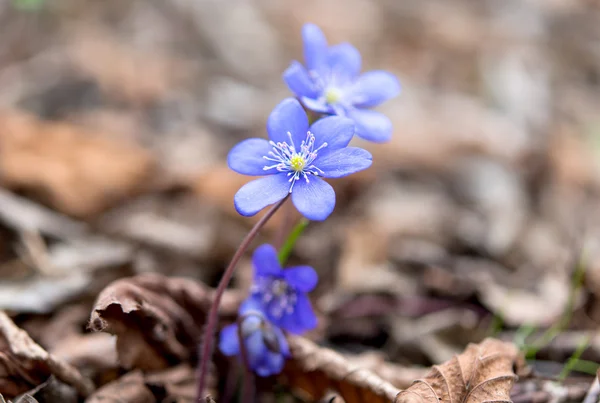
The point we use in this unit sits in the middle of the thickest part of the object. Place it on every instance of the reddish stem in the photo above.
(205, 352)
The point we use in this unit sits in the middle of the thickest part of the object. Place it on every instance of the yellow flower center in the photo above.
(297, 163)
(333, 95)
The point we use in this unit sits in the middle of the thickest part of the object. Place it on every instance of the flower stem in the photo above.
(205, 352)
(288, 246)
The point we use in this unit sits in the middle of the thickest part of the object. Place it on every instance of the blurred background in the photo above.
(116, 118)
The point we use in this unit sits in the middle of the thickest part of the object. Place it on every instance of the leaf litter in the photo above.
(114, 199)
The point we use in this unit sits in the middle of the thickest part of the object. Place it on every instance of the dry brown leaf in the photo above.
(80, 172)
(177, 383)
(314, 370)
(132, 74)
(482, 373)
(158, 320)
(95, 353)
(396, 374)
(24, 364)
(128, 388)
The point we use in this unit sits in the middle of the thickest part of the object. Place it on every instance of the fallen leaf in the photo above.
(24, 364)
(78, 171)
(314, 370)
(20, 399)
(158, 320)
(178, 383)
(52, 390)
(396, 374)
(96, 353)
(133, 75)
(128, 388)
(435, 129)
(482, 373)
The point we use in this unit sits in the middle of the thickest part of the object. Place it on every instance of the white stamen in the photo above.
(297, 164)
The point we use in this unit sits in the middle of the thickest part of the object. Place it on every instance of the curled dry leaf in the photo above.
(482, 373)
(157, 320)
(24, 364)
(314, 370)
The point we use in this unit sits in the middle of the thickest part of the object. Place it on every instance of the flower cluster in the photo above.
(277, 302)
(294, 162)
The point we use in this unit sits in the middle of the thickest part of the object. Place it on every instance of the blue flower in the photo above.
(294, 160)
(331, 84)
(265, 344)
(282, 293)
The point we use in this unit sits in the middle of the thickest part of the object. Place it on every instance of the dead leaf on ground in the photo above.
(128, 388)
(95, 353)
(482, 373)
(24, 364)
(314, 370)
(398, 375)
(80, 172)
(20, 399)
(132, 74)
(176, 384)
(158, 320)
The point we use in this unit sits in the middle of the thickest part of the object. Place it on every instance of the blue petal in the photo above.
(333, 130)
(250, 305)
(344, 61)
(289, 322)
(374, 87)
(265, 261)
(247, 157)
(302, 278)
(283, 344)
(344, 162)
(372, 126)
(275, 362)
(314, 200)
(298, 81)
(256, 349)
(263, 369)
(316, 105)
(304, 313)
(288, 116)
(228, 341)
(315, 46)
(258, 194)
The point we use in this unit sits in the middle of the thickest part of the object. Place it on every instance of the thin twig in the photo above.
(211, 320)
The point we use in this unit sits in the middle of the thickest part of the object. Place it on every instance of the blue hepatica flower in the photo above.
(282, 293)
(294, 160)
(331, 84)
(264, 343)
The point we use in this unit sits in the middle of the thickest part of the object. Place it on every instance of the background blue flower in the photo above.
(294, 160)
(331, 84)
(265, 343)
(281, 294)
